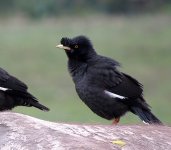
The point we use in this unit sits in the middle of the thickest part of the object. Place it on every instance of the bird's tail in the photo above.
(26, 99)
(146, 115)
(38, 105)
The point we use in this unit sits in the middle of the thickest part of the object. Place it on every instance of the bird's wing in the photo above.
(128, 87)
(10, 82)
(115, 83)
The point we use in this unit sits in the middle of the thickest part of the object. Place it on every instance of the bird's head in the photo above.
(79, 47)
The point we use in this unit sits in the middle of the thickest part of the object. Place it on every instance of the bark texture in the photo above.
(21, 132)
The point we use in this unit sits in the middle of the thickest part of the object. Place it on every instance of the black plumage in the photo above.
(13, 92)
(103, 88)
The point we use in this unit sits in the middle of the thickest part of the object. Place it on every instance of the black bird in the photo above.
(102, 87)
(13, 92)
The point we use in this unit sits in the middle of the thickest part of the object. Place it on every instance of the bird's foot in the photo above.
(116, 121)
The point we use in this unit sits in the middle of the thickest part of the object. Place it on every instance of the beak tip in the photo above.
(59, 46)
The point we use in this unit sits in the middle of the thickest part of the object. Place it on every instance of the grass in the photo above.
(141, 43)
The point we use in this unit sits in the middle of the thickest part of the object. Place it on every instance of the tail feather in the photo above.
(38, 105)
(146, 115)
(25, 99)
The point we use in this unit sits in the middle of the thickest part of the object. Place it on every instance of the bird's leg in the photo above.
(116, 121)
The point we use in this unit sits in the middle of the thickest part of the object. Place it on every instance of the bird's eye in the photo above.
(76, 46)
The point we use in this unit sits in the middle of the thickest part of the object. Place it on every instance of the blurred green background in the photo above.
(135, 33)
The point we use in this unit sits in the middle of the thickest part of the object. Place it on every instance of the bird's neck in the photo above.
(76, 69)
(82, 57)
(77, 66)
(90, 56)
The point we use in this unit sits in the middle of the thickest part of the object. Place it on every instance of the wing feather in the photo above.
(10, 82)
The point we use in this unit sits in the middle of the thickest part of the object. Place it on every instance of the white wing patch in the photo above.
(113, 95)
(3, 89)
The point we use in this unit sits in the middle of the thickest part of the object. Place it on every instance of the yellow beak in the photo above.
(63, 47)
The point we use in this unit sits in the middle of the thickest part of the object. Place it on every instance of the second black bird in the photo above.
(13, 92)
(103, 88)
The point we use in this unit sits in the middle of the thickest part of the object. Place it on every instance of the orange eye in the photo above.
(76, 46)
